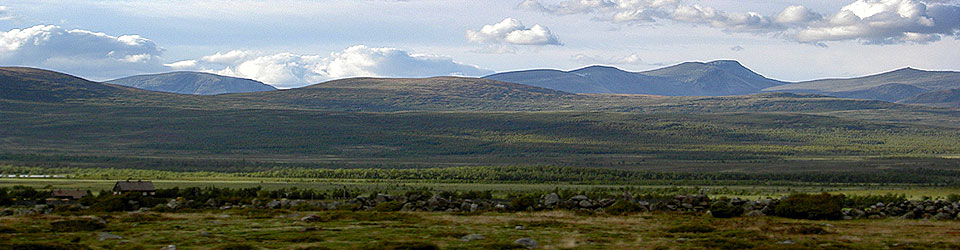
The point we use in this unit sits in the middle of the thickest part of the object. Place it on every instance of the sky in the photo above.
(296, 43)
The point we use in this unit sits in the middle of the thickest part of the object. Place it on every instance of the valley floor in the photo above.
(284, 229)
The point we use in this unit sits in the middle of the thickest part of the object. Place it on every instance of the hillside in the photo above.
(397, 94)
(51, 118)
(193, 83)
(890, 86)
(717, 78)
(944, 98)
(28, 84)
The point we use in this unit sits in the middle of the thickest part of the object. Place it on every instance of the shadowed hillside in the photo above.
(890, 86)
(944, 98)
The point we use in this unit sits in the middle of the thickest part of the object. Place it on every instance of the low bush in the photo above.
(236, 246)
(525, 202)
(953, 197)
(622, 207)
(75, 225)
(694, 228)
(389, 206)
(43, 246)
(807, 230)
(814, 207)
(724, 209)
(389, 245)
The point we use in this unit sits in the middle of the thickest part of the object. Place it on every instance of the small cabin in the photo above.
(68, 194)
(143, 187)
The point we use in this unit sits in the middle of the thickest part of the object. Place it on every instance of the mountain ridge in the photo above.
(714, 78)
(192, 83)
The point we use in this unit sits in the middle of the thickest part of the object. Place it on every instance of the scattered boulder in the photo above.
(472, 237)
(169, 247)
(102, 236)
(942, 216)
(526, 243)
(311, 218)
(274, 204)
(551, 200)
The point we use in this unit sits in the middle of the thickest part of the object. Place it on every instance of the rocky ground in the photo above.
(914, 209)
(559, 229)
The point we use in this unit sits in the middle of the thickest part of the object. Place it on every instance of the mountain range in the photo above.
(704, 79)
(717, 78)
(723, 78)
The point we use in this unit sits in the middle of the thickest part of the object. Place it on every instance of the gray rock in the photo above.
(526, 243)
(521, 227)
(472, 237)
(579, 198)
(174, 204)
(102, 236)
(786, 242)
(942, 216)
(311, 218)
(274, 204)
(857, 213)
(169, 247)
(585, 204)
(551, 199)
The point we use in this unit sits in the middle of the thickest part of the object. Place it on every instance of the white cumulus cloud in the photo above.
(511, 31)
(287, 70)
(867, 21)
(885, 22)
(88, 53)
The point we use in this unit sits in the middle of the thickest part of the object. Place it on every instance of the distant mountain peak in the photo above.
(194, 83)
(726, 64)
(908, 69)
(597, 68)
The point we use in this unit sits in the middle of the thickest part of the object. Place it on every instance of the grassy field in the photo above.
(551, 230)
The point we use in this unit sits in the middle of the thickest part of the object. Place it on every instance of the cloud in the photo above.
(286, 70)
(631, 59)
(867, 21)
(886, 22)
(511, 31)
(796, 14)
(5, 13)
(621, 11)
(92, 54)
